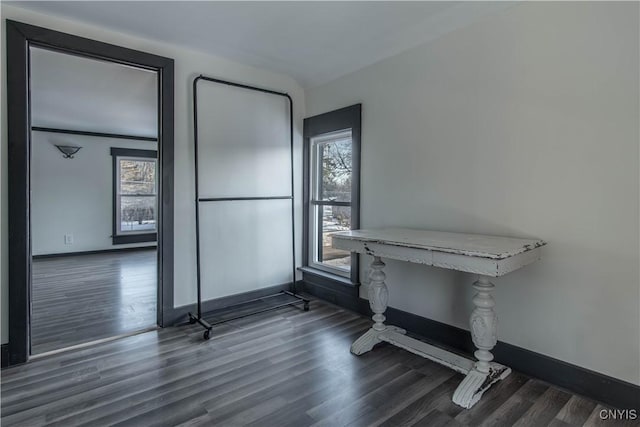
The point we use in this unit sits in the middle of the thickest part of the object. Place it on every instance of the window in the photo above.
(332, 154)
(330, 209)
(135, 198)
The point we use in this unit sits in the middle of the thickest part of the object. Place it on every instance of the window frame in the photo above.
(317, 202)
(119, 237)
(325, 126)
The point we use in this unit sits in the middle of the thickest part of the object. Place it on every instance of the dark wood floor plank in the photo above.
(437, 399)
(215, 381)
(146, 366)
(223, 384)
(220, 379)
(311, 394)
(558, 423)
(82, 298)
(117, 377)
(516, 405)
(249, 414)
(141, 344)
(359, 408)
(168, 415)
(576, 411)
(360, 387)
(544, 409)
(492, 399)
(215, 402)
(283, 368)
(240, 411)
(201, 421)
(56, 375)
(148, 403)
(437, 418)
(396, 402)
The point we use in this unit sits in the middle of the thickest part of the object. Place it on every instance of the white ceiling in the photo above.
(314, 42)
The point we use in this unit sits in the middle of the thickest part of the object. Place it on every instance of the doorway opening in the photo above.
(94, 201)
(90, 190)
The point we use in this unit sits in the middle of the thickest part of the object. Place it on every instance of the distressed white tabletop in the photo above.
(476, 245)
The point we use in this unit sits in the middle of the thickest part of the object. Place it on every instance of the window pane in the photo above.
(137, 213)
(336, 170)
(137, 176)
(334, 219)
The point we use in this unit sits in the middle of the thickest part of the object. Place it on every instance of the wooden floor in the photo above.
(282, 368)
(77, 299)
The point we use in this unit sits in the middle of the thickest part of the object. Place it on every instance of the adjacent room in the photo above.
(340, 213)
(93, 199)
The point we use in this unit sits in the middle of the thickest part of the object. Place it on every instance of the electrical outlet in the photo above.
(68, 239)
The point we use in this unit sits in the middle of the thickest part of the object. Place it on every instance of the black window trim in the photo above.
(121, 239)
(337, 120)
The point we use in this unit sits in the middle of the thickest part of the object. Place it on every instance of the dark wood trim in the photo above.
(20, 37)
(165, 191)
(99, 251)
(329, 203)
(341, 119)
(609, 390)
(134, 238)
(98, 134)
(329, 280)
(181, 313)
(335, 289)
(305, 199)
(233, 199)
(134, 152)
(344, 118)
(331, 291)
(5, 355)
(19, 187)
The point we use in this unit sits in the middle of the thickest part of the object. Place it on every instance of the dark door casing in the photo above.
(20, 37)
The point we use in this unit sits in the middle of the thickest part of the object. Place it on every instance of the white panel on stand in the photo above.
(243, 142)
(244, 246)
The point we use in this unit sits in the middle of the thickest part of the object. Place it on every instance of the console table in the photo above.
(486, 256)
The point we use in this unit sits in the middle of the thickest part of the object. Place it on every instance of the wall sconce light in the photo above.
(68, 150)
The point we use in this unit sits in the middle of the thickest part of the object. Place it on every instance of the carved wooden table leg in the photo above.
(378, 299)
(484, 331)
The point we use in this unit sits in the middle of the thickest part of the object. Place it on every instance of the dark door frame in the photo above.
(20, 37)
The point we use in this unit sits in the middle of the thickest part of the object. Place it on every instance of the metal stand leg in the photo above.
(193, 319)
(198, 319)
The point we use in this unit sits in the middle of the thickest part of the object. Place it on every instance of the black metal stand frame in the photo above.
(298, 299)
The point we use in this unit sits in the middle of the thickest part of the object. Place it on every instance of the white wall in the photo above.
(74, 92)
(524, 124)
(188, 64)
(74, 196)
